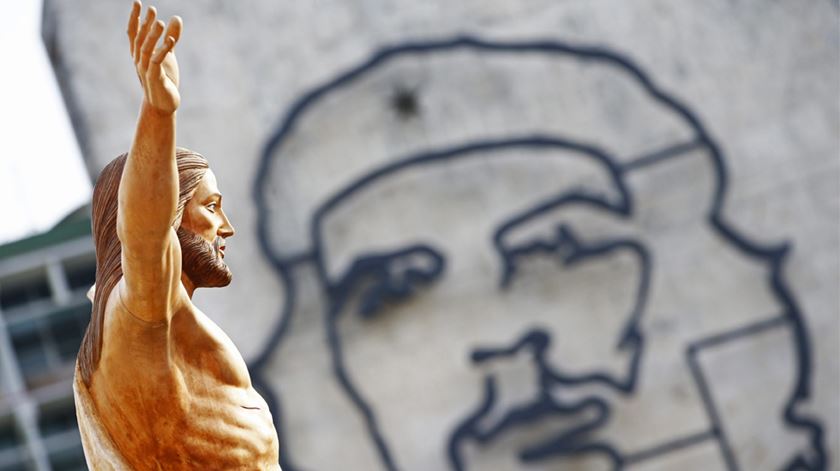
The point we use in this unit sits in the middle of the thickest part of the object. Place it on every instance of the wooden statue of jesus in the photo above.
(158, 385)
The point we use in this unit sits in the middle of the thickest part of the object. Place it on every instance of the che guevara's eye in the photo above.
(403, 275)
(395, 276)
(563, 244)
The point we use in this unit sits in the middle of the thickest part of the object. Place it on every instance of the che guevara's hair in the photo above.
(191, 169)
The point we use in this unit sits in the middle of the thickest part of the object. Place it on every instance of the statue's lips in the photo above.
(219, 246)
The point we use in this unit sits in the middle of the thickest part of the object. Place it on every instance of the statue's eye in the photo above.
(211, 207)
(393, 277)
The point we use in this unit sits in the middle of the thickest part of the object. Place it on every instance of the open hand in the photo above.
(156, 65)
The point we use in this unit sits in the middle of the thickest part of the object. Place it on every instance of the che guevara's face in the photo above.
(204, 228)
(407, 367)
(406, 344)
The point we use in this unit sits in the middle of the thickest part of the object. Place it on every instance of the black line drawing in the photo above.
(567, 246)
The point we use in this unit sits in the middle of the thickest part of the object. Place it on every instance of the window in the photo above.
(29, 347)
(12, 451)
(23, 289)
(67, 327)
(70, 459)
(57, 419)
(9, 438)
(80, 272)
(59, 430)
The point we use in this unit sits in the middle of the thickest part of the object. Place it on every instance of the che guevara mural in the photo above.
(516, 255)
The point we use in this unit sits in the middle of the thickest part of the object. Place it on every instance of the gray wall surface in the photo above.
(714, 266)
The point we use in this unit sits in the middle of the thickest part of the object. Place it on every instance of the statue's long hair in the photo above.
(191, 169)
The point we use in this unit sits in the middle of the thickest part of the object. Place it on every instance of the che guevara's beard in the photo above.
(202, 261)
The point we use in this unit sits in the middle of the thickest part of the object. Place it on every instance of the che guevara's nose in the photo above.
(516, 373)
(519, 392)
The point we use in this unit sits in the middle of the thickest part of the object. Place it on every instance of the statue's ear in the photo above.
(675, 192)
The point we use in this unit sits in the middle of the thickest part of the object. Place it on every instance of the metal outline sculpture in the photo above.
(538, 340)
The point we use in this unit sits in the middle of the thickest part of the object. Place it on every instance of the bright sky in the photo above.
(42, 175)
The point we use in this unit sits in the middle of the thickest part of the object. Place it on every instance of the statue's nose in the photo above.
(226, 230)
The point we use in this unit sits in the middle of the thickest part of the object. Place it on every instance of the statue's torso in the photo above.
(179, 396)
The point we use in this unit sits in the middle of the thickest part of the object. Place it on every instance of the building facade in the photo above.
(43, 314)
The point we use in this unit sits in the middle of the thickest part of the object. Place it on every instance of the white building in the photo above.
(43, 314)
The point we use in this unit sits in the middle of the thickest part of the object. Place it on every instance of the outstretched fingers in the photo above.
(168, 44)
(174, 27)
(173, 32)
(150, 43)
(133, 24)
(139, 40)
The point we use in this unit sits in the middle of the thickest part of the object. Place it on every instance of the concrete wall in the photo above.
(661, 179)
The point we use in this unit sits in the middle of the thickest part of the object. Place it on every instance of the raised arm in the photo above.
(148, 194)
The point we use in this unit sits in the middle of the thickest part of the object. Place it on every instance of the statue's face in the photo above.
(204, 228)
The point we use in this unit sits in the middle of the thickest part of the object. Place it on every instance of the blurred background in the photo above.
(472, 235)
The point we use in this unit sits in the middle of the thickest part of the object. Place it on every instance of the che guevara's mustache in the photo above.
(498, 414)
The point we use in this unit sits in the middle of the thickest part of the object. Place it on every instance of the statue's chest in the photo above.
(204, 352)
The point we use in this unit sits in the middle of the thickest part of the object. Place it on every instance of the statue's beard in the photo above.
(202, 261)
